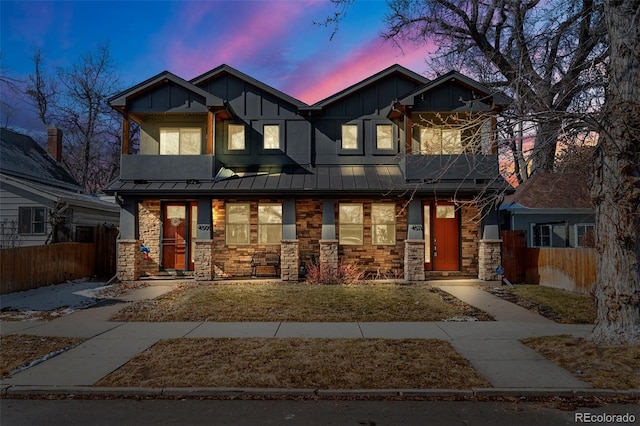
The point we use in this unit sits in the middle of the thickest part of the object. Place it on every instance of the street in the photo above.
(128, 412)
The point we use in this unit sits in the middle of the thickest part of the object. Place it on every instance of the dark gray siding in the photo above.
(169, 97)
(446, 97)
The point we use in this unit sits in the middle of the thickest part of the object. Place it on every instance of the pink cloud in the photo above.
(253, 33)
(359, 64)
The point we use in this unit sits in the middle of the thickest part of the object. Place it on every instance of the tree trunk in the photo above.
(616, 185)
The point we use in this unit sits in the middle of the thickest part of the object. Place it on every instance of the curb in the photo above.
(140, 392)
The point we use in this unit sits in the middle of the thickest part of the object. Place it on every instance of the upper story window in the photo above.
(238, 223)
(383, 224)
(271, 134)
(351, 224)
(31, 220)
(236, 138)
(181, 141)
(438, 140)
(349, 137)
(269, 223)
(384, 136)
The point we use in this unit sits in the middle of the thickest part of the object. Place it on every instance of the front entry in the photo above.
(442, 237)
(178, 235)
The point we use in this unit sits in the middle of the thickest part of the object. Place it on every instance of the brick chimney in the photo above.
(54, 143)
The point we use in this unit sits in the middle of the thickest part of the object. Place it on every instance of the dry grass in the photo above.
(19, 349)
(604, 367)
(299, 302)
(300, 364)
(559, 305)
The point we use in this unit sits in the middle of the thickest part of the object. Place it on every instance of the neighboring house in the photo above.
(36, 192)
(553, 209)
(379, 174)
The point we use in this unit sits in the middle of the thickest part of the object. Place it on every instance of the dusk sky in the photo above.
(275, 42)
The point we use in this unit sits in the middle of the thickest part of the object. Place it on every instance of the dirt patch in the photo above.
(20, 350)
(299, 302)
(603, 367)
(558, 305)
(300, 364)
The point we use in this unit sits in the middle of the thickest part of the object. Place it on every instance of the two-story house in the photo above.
(380, 174)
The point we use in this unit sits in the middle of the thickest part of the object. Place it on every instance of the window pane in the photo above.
(349, 136)
(236, 136)
(38, 222)
(451, 141)
(272, 137)
(429, 140)
(586, 235)
(383, 219)
(190, 141)
(427, 234)
(351, 224)
(384, 138)
(237, 234)
(270, 223)
(238, 213)
(238, 218)
(24, 220)
(445, 212)
(169, 141)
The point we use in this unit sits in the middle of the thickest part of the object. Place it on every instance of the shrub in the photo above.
(346, 274)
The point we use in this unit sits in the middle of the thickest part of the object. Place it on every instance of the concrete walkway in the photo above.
(491, 347)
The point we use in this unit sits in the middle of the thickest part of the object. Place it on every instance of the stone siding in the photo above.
(150, 229)
(129, 260)
(289, 260)
(203, 261)
(489, 258)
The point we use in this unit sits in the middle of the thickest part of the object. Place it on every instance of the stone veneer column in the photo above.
(129, 260)
(414, 260)
(289, 260)
(489, 258)
(329, 257)
(203, 261)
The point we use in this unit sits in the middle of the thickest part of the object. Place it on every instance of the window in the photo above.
(585, 235)
(238, 217)
(236, 137)
(179, 141)
(436, 140)
(349, 136)
(541, 235)
(351, 224)
(31, 220)
(270, 223)
(271, 133)
(384, 136)
(445, 212)
(383, 224)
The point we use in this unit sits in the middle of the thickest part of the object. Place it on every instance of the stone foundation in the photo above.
(329, 257)
(289, 260)
(414, 260)
(489, 258)
(129, 260)
(203, 261)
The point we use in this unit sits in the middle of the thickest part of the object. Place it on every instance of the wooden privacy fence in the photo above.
(571, 269)
(24, 268)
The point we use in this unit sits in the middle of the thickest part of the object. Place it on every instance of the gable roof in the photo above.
(551, 191)
(498, 98)
(22, 157)
(226, 69)
(393, 69)
(120, 99)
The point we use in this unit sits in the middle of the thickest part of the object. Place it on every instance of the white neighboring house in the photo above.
(37, 195)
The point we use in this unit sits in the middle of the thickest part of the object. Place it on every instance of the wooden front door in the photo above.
(178, 235)
(442, 237)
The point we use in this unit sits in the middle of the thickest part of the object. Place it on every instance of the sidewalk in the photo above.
(491, 347)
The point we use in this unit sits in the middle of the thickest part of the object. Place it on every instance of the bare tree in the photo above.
(8, 88)
(76, 101)
(548, 55)
(616, 184)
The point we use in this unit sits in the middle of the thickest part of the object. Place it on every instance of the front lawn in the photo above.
(603, 367)
(559, 305)
(299, 364)
(300, 302)
(20, 350)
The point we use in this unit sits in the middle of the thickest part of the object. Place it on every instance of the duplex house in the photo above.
(381, 174)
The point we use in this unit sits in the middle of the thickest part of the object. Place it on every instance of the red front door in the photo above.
(442, 237)
(178, 234)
